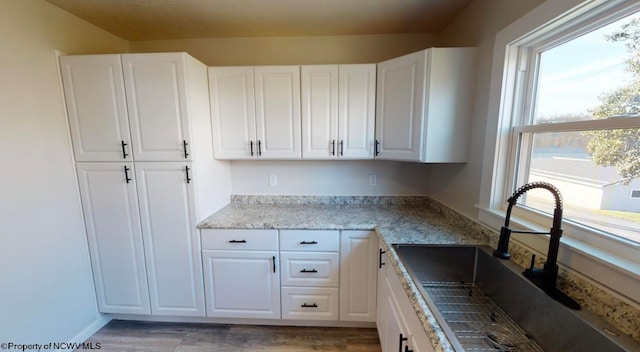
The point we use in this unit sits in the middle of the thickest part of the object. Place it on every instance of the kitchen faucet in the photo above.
(544, 277)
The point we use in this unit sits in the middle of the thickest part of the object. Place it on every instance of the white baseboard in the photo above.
(91, 329)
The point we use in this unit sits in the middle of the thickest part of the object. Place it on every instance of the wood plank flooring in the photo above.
(121, 335)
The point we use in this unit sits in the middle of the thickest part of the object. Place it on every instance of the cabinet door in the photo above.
(112, 222)
(172, 249)
(156, 90)
(242, 284)
(277, 96)
(399, 112)
(395, 333)
(357, 111)
(381, 297)
(233, 112)
(319, 111)
(96, 105)
(358, 275)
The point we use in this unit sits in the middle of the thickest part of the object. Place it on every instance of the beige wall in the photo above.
(458, 185)
(293, 50)
(47, 291)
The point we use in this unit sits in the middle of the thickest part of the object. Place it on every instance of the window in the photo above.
(545, 88)
(635, 193)
(577, 125)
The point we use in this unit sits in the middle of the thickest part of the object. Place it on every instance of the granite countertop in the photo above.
(395, 220)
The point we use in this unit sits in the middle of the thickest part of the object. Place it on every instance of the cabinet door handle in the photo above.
(238, 241)
(251, 147)
(376, 147)
(126, 174)
(308, 271)
(274, 263)
(341, 147)
(333, 147)
(184, 145)
(124, 151)
(186, 170)
(259, 148)
(305, 305)
(309, 242)
(380, 263)
(402, 339)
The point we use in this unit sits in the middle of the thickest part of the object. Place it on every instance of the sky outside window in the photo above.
(574, 74)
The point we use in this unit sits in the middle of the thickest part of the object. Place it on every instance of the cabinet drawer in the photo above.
(309, 240)
(239, 239)
(309, 303)
(309, 269)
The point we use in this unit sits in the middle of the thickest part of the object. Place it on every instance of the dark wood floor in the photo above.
(121, 335)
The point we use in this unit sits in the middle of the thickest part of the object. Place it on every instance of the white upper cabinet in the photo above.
(424, 102)
(233, 111)
(157, 103)
(338, 111)
(278, 111)
(255, 112)
(96, 105)
(135, 107)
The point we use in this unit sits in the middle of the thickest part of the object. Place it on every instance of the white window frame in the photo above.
(611, 261)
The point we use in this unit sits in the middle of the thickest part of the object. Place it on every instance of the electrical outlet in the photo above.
(273, 180)
(372, 180)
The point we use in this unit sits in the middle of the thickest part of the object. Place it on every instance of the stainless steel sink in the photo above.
(485, 304)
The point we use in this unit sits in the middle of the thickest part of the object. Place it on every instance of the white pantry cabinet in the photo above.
(167, 200)
(97, 107)
(255, 112)
(112, 220)
(424, 101)
(150, 263)
(398, 326)
(338, 111)
(358, 275)
(241, 273)
(133, 106)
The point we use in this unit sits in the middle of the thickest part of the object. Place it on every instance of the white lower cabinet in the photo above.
(310, 303)
(398, 326)
(241, 273)
(309, 274)
(318, 275)
(358, 275)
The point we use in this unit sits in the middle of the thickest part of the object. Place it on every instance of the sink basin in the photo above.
(485, 304)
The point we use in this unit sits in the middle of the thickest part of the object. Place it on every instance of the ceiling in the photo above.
(177, 19)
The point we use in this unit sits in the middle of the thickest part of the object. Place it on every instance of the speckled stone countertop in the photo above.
(395, 220)
(408, 220)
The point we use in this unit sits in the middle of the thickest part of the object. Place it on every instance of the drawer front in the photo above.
(239, 239)
(309, 269)
(313, 303)
(309, 240)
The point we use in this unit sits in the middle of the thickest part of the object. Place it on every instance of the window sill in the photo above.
(605, 267)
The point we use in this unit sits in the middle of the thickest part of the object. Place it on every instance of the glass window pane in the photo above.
(595, 191)
(593, 76)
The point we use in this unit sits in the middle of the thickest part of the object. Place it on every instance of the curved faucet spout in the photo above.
(547, 276)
